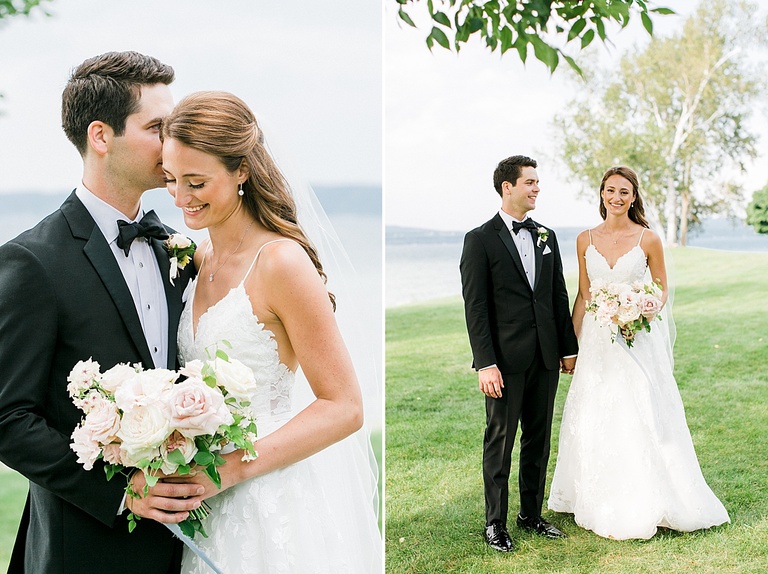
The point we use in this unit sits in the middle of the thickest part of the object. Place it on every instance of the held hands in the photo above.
(165, 502)
(567, 365)
(490, 382)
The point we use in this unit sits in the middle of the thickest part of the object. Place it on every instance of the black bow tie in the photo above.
(148, 226)
(527, 224)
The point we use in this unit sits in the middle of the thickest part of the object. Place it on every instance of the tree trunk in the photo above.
(685, 208)
(670, 213)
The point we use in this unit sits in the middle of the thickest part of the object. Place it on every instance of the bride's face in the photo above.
(617, 195)
(200, 184)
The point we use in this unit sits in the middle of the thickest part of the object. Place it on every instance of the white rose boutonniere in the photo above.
(180, 248)
(543, 234)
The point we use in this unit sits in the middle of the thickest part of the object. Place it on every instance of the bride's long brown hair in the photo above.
(222, 125)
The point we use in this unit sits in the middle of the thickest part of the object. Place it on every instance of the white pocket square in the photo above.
(547, 250)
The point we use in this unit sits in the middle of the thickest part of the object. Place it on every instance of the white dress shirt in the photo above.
(141, 274)
(524, 243)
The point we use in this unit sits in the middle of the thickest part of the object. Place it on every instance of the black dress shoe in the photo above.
(497, 537)
(540, 526)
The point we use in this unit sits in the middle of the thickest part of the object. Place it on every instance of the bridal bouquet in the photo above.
(143, 419)
(631, 307)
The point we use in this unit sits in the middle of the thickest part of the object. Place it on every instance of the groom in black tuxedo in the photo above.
(80, 285)
(520, 330)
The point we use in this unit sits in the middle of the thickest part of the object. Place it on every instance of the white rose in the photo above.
(115, 376)
(144, 388)
(103, 421)
(192, 369)
(84, 445)
(143, 430)
(197, 409)
(179, 241)
(234, 377)
(186, 446)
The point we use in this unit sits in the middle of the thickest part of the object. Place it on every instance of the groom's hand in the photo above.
(567, 365)
(164, 502)
(490, 382)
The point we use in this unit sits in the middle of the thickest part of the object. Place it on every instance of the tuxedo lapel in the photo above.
(509, 243)
(100, 255)
(172, 298)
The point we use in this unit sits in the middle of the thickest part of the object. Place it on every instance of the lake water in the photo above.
(424, 264)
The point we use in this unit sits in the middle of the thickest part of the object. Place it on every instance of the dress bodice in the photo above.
(628, 268)
(232, 320)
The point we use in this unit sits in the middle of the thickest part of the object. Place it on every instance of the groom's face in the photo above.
(520, 198)
(135, 156)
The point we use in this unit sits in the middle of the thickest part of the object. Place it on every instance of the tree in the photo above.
(678, 112)
(507, 24)
(10, 8)
(757, 211)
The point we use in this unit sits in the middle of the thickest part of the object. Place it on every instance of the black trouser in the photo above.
(529, 398)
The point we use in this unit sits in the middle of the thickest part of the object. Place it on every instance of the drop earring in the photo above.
(240, 191)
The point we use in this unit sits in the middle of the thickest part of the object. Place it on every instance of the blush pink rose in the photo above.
(103, 421)
(651, 307)
(197, 409)
(85, 447)
(177, 441)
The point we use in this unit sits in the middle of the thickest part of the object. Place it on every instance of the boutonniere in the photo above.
(543, 234)
(180, 248)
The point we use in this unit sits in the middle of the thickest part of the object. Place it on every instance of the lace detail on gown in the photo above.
(302, 518)
(626, 463)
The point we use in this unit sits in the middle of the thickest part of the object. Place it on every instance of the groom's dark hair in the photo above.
(509, 170)
(107, 88)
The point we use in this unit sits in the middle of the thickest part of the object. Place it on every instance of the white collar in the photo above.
(104, 214)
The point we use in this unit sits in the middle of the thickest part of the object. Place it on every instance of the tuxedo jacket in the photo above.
(506, 317)
(63, 299)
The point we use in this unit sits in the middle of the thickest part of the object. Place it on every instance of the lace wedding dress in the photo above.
(310, 517)
(626, 463)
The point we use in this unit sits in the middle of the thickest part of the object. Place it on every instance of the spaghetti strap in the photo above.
(590, 236)
(641, 236)
(253, 263)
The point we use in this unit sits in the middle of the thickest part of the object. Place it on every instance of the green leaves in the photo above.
(507, 24)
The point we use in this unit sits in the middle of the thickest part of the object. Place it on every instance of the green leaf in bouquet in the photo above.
(214, 475)
(218, 460)
(204, 458)
(222, 355)
(210, 380)
(176, 457)
(132, 520)
(187, 528)
(183, 469)
(151, 481)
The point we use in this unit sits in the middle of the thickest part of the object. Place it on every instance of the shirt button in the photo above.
(155, 349)
(141, 265)
(148, 306)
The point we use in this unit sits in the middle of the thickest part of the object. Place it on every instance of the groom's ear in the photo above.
(99, 135)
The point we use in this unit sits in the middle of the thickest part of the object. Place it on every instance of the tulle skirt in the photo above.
(626, 462)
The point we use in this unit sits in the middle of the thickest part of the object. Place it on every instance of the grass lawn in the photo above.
(435, 421)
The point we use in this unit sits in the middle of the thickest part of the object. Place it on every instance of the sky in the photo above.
(449, 119)
(311, 71)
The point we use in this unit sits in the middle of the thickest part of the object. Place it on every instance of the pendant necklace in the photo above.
(210, 277)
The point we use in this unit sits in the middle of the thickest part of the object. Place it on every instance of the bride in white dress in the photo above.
(302, 505)
(626, 463)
